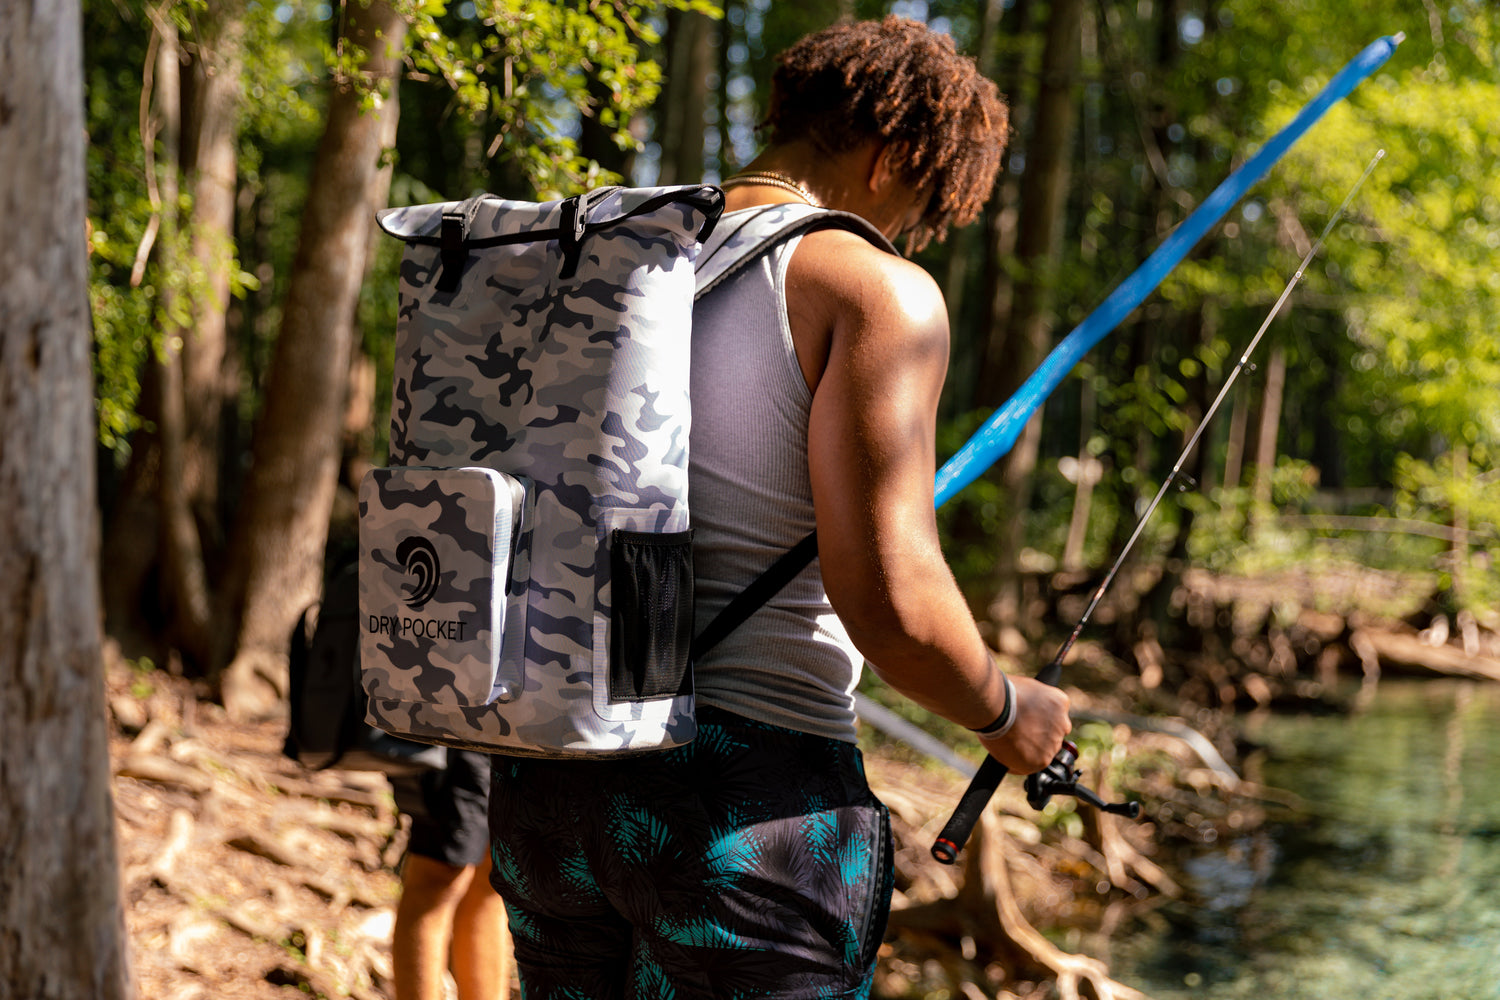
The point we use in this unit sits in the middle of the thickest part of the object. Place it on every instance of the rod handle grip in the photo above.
(966, 814)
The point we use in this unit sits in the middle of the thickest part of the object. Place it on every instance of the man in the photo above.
(755, 862)
(449, 918)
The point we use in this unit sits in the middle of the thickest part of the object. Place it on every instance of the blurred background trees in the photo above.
(243, 307)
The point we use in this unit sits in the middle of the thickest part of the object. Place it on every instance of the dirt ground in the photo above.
(247, 877)
(244, 875)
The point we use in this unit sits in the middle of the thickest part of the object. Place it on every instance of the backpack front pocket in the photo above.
(436, 551)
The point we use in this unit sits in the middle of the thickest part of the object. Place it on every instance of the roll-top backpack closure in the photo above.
(460, 228)
(454, 245)
(575, 218)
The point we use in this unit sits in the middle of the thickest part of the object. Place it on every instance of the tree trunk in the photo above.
(1089, 469)
(1270, 424)
(1038, 244)
(184, 582)
(596, 140)
(1459, 550)
(1198, 330)
(965, 251)
(1000, 218)
(684, 98)
(279, 537)
(214, 91)
(62, 934)
(167, 518)
(1234, 449)
(133, 543)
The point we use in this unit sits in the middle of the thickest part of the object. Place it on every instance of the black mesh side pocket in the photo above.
(651, 625)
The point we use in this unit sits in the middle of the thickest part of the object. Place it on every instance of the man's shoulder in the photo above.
(864, 298)
(844, 264)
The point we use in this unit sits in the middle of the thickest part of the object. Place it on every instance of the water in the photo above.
(1388, 888)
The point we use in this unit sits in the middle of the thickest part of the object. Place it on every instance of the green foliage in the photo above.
(125, 330)
(525, 69)
(1413, 264)
(286, 53)
(1454, 491)
(1393, 365)
(1407, 363)
(533, 68)
(1392, 361)
(978, 512)
(494, 100)
(135, 300)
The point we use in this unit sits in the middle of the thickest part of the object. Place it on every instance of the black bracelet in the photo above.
(1007, 716)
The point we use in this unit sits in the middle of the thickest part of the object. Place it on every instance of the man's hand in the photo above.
(1040, 728)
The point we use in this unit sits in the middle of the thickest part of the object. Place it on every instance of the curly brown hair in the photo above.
(904, 84)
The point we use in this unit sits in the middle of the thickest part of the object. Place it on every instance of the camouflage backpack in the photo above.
(526, 561)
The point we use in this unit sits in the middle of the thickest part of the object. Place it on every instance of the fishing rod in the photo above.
(1060, 777)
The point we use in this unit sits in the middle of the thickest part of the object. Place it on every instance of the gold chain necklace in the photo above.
(774, 179)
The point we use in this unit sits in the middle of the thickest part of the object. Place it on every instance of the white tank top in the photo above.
(791, 663)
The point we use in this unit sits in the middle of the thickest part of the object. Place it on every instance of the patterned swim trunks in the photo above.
(752, 863)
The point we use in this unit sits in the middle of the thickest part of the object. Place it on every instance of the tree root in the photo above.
(1124, 866)
(985, 919)
(988, 890)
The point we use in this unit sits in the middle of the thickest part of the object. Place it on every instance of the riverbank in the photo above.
(246, 876)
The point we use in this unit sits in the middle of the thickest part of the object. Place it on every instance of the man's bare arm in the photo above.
(883, 331)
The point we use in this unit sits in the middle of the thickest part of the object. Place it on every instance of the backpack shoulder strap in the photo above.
(732, 248)
(760, 590)
(740, 238)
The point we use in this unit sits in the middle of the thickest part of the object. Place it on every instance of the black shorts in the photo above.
(448, 809)
(753, 862)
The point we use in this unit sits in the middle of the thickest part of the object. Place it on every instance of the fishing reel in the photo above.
(1059, 778)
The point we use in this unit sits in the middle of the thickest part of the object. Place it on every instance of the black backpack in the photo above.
(327, 726)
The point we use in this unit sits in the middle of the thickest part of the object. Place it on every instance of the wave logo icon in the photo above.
(420, 560)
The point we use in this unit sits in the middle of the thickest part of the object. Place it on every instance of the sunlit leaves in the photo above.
(535, 68)
(1423, 298)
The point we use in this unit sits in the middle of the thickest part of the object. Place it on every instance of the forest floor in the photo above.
(245, 876)
(248, 877)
